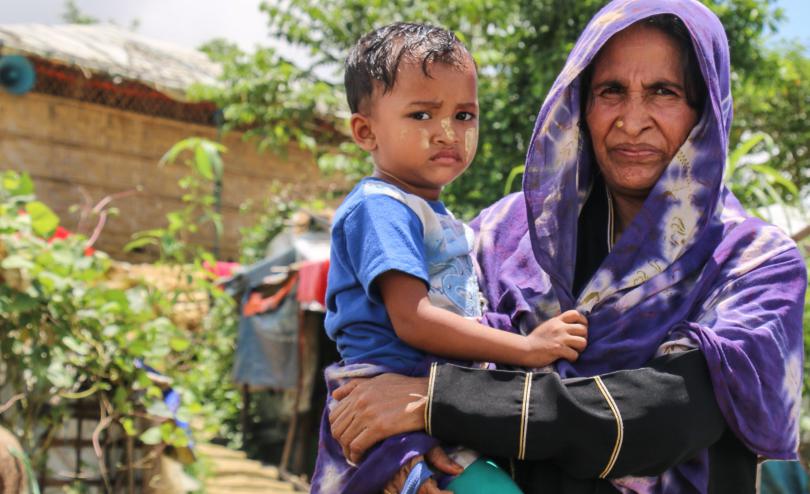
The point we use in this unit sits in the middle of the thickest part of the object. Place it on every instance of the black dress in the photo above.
(574, 434)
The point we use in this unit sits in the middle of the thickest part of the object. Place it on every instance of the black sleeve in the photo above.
(633, 422)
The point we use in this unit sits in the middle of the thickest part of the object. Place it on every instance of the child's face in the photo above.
(424, 132)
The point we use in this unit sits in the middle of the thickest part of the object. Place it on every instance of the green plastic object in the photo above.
(483, 477)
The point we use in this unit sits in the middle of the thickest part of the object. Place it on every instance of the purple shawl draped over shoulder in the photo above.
(692, 269)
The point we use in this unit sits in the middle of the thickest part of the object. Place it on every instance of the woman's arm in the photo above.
(637, 422)
(632, 422)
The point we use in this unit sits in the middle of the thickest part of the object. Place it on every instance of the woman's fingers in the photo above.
(346, 389)
(438, 459)
(339, 420)
(358, 446)
(376, 408)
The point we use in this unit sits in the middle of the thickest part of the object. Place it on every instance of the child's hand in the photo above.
(564, 336)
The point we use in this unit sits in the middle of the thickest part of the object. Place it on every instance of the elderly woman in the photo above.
(694, 359)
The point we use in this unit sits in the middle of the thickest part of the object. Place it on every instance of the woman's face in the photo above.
(638, 116)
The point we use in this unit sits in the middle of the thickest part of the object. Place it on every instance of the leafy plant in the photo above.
(69, 335)
(201, 198)
(73, 333)
(274, 215)
(754, 182)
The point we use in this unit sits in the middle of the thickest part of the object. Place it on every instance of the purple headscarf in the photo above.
(692, 269)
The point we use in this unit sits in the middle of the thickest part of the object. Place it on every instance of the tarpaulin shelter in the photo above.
(281, 346)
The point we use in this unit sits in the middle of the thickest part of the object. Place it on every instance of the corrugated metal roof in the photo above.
(115, 51)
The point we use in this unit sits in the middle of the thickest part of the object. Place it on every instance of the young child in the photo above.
(402, 287)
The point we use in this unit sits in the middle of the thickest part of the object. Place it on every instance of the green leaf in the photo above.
(513, 174)
(179, 344)
(18, 184)
(159, 409)
(129, 426)
(743, 149)
(43, 220)
(17, 262)
(202, 163)
(139, 242)
(152, 436)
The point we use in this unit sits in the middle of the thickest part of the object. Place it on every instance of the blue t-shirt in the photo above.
(380, 228)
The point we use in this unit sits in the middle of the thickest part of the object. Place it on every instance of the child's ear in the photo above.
(362, 132)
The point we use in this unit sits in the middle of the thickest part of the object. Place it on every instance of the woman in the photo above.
(624, 217)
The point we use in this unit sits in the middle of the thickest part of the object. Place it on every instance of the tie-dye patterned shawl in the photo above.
(692, 267)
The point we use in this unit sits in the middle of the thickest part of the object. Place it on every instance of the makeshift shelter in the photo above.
(106, 105)
(282, 347)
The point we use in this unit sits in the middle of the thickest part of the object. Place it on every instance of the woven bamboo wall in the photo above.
(76, 150)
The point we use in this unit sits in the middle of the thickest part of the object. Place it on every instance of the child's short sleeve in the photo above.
(384, 234)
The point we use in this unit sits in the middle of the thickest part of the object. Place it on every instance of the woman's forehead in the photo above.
(639, 49)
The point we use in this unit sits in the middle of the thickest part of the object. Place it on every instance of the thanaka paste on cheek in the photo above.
(425, 138)
(470, 142)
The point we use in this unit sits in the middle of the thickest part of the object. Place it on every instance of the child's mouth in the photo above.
(446, 157)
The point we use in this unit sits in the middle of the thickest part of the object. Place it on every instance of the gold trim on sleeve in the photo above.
(429, 403)
(619, 426)
(524, 416)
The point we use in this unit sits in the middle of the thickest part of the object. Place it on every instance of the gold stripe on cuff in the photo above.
(429, 404)
(619, 426)
(524, 416)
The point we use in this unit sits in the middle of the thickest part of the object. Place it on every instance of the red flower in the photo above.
(60, 233)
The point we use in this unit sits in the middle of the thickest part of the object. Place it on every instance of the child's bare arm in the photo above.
(434, 330)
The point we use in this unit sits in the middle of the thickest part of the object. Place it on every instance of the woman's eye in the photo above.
(662, 91)
(420, 115)
(610, 92)
(465, 116)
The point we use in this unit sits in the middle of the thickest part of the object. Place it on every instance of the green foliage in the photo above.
(72, 14)
(275, 211)
(201, 199)
(753, 181)
(70, 333)
(775, 99)
(68, 336)
(270, 98)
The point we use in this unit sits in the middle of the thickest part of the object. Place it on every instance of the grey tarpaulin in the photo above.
(267, 346)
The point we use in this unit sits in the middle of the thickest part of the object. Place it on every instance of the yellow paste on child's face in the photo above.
(470, 143)
(425, 138)
(448, 129)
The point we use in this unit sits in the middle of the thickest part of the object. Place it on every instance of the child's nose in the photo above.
(446, 134)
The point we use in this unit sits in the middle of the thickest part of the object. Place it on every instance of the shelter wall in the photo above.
(78, 153)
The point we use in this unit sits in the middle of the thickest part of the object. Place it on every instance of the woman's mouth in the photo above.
(636, 152)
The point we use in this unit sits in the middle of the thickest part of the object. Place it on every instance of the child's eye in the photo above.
(420, 115)
(465, 116)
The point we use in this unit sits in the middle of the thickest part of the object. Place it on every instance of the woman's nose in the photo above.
(636, 115)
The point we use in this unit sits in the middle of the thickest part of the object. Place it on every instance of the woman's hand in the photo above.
(437, 459)
(370, 410)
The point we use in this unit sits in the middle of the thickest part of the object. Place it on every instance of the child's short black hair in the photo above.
(377, 55)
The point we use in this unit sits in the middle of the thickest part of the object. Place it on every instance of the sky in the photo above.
(192, 22)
